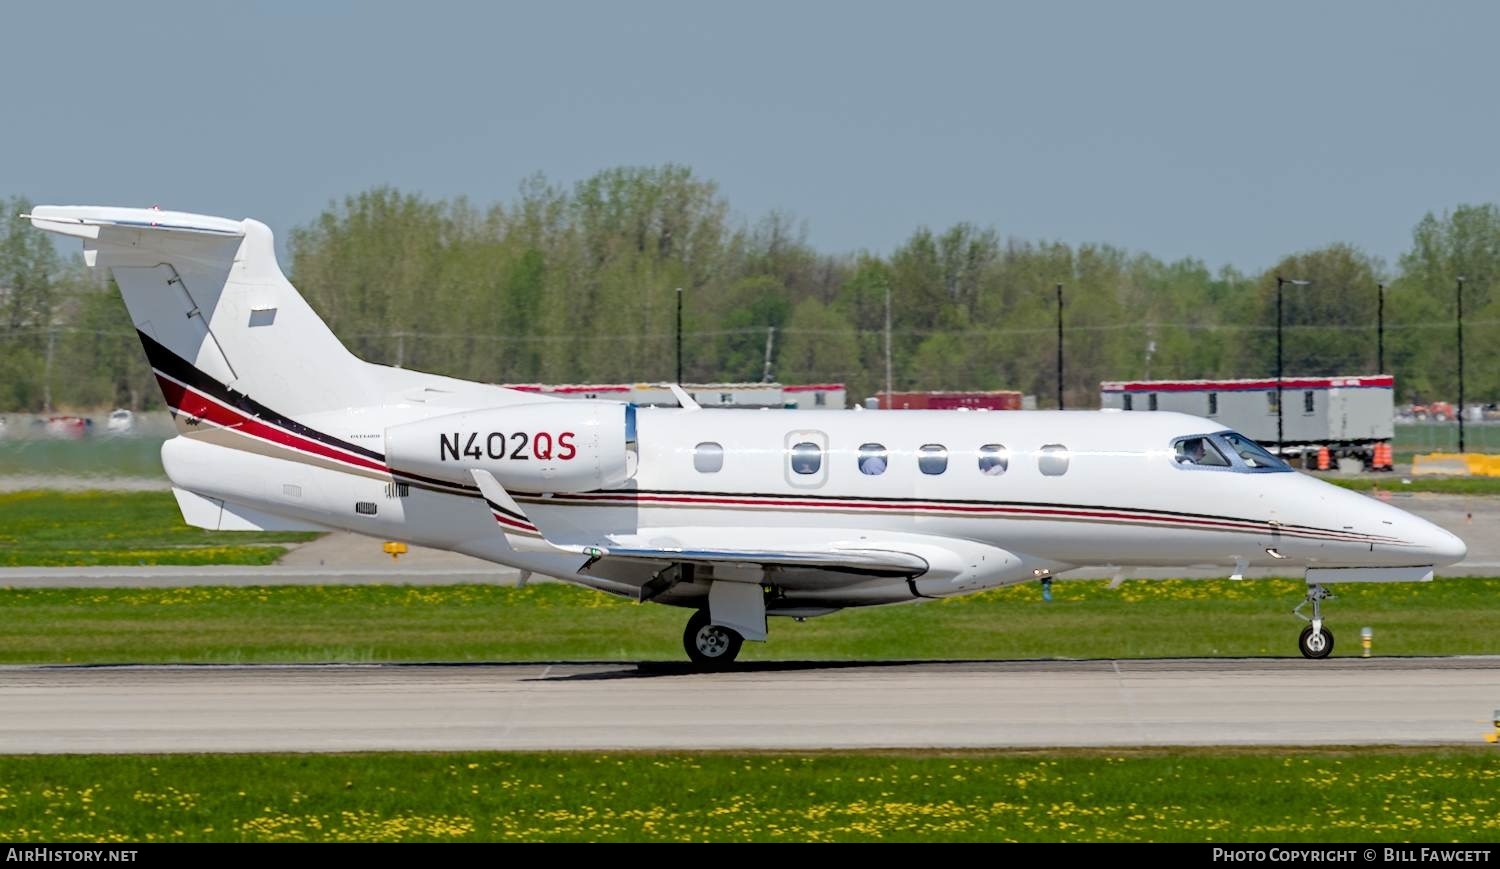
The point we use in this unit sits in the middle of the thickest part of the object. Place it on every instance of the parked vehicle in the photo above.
(69, 427)
(1438, 411)
(120, 422)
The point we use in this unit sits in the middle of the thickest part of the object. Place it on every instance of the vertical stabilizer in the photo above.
(210, 302)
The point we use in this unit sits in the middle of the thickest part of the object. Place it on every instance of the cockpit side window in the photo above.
(1251, 453)
(1199, 452)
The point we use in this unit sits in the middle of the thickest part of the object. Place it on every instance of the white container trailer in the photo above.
(1351, 416)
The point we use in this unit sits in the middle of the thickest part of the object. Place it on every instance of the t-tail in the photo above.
(213, 309)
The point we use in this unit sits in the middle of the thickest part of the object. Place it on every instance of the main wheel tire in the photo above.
(708, 644)
(1319, 646)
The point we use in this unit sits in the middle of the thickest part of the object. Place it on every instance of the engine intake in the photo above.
(559, 446)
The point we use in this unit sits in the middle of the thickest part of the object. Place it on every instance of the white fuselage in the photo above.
(1116, 495)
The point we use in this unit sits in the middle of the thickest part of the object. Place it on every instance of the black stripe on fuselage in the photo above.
(185, 372)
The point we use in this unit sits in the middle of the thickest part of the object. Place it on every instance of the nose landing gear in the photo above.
(1316, 641)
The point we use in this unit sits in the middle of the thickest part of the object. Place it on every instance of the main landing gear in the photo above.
(1316, 641)
(708, 644)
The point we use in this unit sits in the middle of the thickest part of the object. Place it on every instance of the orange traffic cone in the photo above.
(1322, 458)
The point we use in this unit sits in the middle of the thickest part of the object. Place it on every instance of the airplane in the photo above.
(736, 515)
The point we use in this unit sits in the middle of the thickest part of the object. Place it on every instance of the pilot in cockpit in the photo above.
(1200, 451)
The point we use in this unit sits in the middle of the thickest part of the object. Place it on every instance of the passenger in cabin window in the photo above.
(872, 462)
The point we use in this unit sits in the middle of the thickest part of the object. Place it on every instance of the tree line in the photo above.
(580, 284)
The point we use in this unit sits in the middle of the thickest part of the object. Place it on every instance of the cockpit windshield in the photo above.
(1225, 450)
(1251, 453)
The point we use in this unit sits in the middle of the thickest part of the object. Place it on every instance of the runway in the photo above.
(323, 708)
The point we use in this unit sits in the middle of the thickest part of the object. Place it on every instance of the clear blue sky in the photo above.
(1234, 132)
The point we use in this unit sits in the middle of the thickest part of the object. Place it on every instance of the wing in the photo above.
(660, 547)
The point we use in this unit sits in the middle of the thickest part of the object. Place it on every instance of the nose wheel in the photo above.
(1316, 641)
(708, 644)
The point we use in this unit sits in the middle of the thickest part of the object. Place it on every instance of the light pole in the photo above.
(1380, 330)
(1059, 348)
(679, 336)
(1281, 282)
(1460, 300)
(888, 378)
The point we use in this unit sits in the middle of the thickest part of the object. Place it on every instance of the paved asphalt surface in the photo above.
(773, 706)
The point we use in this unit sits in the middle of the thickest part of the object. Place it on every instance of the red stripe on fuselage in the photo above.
(980, 509)
(186, 400)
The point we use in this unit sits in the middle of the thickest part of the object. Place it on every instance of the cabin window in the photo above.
(807, 458)
(1273, 401)
(1200, 452)
(1307, 401)
(726, 398)
(1213, 403)
(1053, 461)
(1152, 401)
(932, 459)
(1129, 404)
(820, 399)
(708, 458)
(993, 460)
(873, 459)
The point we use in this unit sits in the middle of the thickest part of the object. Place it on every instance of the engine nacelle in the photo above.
(557, 446)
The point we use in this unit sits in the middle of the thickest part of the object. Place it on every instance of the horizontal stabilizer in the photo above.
(88, 221)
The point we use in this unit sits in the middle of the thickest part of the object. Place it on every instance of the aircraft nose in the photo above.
(1440, 546)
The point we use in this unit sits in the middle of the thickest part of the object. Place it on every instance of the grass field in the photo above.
(1236, 795)
(1442, 437)
(88, 528)
(93, 457)
(563, 623)
(1437, 485)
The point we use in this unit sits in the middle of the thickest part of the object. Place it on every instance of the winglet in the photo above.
(683, 398)
(519, 531)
